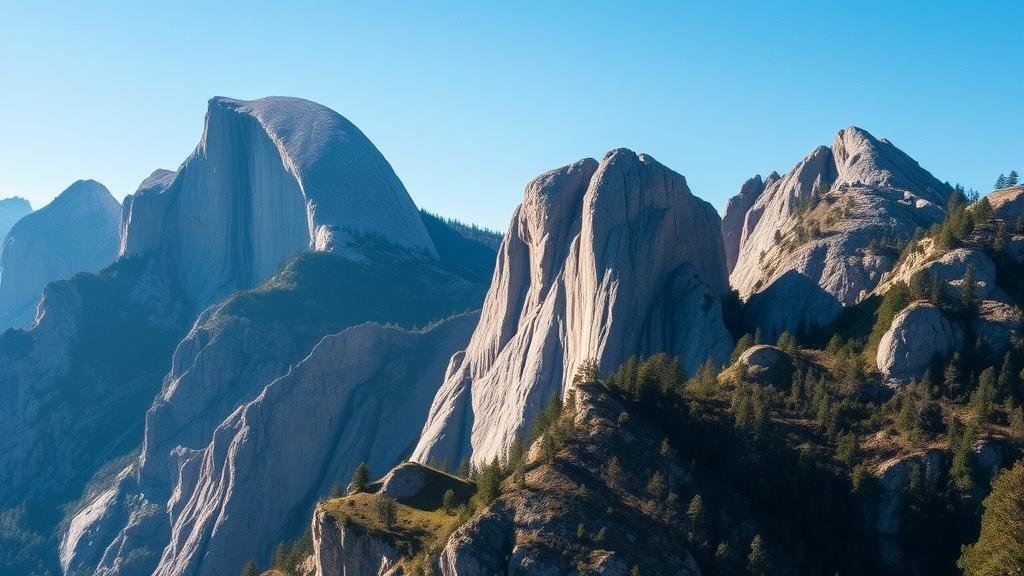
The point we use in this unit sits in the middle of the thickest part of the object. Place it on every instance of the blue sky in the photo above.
(469, 100)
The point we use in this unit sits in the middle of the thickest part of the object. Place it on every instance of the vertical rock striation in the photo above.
(602, 261)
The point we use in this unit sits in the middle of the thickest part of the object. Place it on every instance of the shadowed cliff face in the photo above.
(818, 221)
(270, 178)
(601, 261)
(77, 232)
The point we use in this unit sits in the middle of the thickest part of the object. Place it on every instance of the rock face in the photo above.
(270, 178)
(533, 529)
(1008, 205)
(77, 232)
(601, 261)
(805, 248)
(356, 397)
(234, 351)
(12, 210)
(886, 512)
(918, 335)
(736, 212)
(347, 550)
(77, 385)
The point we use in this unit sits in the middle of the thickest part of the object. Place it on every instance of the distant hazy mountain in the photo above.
(12, 210)
(77, 232)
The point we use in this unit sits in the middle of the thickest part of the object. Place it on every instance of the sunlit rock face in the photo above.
(816, 239)
(76, 232)
(603, 260)
(270, 178)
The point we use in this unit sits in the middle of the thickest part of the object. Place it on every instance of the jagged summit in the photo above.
(601, 261)
(809, 243)
(860, 157)
(76, 232)
(269, 178)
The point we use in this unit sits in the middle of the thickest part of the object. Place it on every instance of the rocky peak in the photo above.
(12, 210)
(735, 213)
(860, 157)
(76, 232)
(601, 261)
(281, 176)
(804, 249)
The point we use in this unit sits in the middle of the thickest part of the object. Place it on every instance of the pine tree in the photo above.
(952, 377)
(968, 288)
(745, 342)
(360, 478)
(999, 550)
(656, 484)
(279, 561)
(613, 472)
(984, 397)
(695, 516)
(757, 558)
(1012, 178)
(725, 561)
(1005, 383)
(1000, 182)
(448, 502)
(786, 343)
(488, 484)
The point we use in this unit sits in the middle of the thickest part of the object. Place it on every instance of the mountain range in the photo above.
(622, 383)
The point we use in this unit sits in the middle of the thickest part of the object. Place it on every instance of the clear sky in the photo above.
(469, 100)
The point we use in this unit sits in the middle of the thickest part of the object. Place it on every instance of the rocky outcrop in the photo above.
(235, 353)
(736, 212)
(12, 210)
(270, 178)
(346, 550)
(76, 232)
(919, 335)
(810, 242)
(886, 509)
(996, 325)
(77, 385)
(143, 214)
(1008, 205)
(535, 527)
(602, 261)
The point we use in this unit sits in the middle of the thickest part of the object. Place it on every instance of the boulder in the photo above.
(996, 324)
(950, 269)
(919, 334)
(767, 364)
(602, 261)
